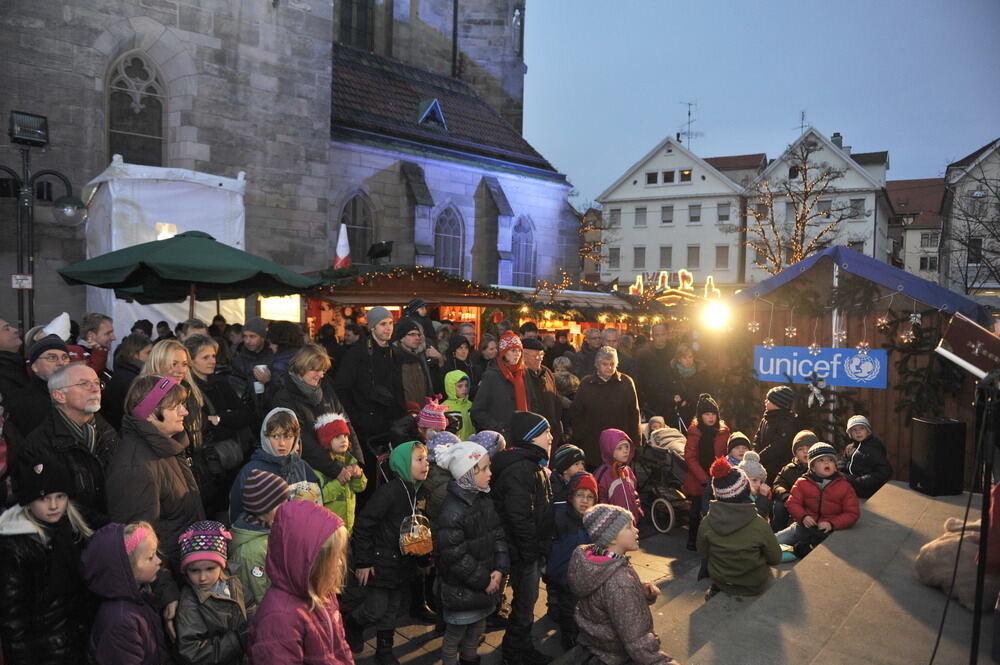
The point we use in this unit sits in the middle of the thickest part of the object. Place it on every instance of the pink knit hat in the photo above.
(432, 415)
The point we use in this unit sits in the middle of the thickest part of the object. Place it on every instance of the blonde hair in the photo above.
(326, 576)
(76, 521)
(159, 364)
(311, 357)
(129, 530)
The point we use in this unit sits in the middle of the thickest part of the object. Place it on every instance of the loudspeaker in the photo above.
(937, 456)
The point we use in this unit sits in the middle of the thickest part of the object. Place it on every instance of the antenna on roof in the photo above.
(687, 133)
(802, 121)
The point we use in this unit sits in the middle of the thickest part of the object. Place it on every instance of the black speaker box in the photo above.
(937, 456)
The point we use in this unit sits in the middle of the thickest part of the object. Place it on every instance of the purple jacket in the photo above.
(618, 489)
(128, 629)
(285, 631)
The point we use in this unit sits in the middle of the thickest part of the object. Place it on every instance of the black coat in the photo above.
(13, 375)
(370, 387)
(470, 544)
(774, 436)
(375, 541)
(494, 403)
(866, 466)
(522, 496)
(28, 407)
(235, 419)
(113, 395)
(654, 380)
(544, 399)
(599, 405)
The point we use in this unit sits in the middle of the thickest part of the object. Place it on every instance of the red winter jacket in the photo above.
(837, 503)
(697, 477)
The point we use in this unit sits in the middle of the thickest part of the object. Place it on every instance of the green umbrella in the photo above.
(191, 264)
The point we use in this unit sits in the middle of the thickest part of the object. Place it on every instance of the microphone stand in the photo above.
(987, 394)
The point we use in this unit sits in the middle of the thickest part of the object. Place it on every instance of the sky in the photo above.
(607, 79)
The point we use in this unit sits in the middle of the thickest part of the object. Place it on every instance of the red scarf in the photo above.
(515, 374)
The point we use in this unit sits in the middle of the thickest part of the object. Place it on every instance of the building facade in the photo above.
(916, 224)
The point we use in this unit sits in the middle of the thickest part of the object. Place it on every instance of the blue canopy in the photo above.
(876, 271)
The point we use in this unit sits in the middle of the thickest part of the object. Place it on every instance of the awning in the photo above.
(573, 299)
(397, 285)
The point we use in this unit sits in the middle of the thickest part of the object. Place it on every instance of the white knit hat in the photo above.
(458, 458)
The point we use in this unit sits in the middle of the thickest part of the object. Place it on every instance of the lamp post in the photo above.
(32, 130)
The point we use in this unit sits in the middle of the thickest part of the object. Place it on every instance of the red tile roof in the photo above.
(922, 196)
(382, 96)
(732, 162)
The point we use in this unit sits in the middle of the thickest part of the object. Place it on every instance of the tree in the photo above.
(971, 242)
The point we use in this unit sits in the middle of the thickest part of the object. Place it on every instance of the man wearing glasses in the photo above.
(28, 407)
(78, 436)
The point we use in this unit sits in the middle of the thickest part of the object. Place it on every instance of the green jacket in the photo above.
(739, 546)
(342, 499)
(456, 405)
(248, 549)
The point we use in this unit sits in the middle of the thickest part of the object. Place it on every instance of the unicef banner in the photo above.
(840, 367)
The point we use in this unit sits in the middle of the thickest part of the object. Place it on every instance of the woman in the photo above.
(604, 400)
(486, 354)
(131, 356)
(707, 439)
(224, 414)
(504, 388)
(689, 380)
(457, 358)
(286, 338)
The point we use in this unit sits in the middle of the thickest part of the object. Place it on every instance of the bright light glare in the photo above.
(715, 315)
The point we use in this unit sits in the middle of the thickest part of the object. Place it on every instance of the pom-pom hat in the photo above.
(706, 404)
(329, 426)
(750, 465)
(737, 439)
(204, 541)
(432, 415)
(729, 484)
(439, 439)
(509, 341)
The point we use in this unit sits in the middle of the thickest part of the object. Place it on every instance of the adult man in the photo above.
(560, 347)
(78, 437)
(192, 327)
(97, 332)
(543, 396)
(416, 310)
(529, 331)
(583, 361)
(352, 335)
(27, 407)
(418, 364)
(612, 337)
(12, 374)
(653, 375)
(468, 331)
(250, 353)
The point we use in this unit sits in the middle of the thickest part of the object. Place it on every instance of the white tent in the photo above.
(131, 204)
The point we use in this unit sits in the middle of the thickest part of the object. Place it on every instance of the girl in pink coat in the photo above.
(615, 478)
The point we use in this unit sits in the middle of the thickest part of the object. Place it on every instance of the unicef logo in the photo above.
(862, 368)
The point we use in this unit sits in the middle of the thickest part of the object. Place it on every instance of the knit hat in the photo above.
(858, 420)
(737, 439)
(36, 476)
(821, 449)
(781, 396)
(509, 341)
(492, 441)
(432, 415)
(603, 522)
(47, 343)
(582, 481)
(439, 439)
(566, 456)
(751, 466)
(377, 314)
(459, 458)
(256, 325)
(533, 343)
(706, 404)
(328, 427)
(204, 541)
(525, 426)
(263, 491)
(59, 326)
(729, 484)
(805, 438)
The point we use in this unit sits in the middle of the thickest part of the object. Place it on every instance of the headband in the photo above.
(153, 398)
(137, 537)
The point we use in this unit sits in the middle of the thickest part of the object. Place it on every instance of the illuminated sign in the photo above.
(674, 292)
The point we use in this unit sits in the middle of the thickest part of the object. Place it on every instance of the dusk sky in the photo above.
(606, 79)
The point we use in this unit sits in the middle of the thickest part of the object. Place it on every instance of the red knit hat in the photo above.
(509, 341)
(582, 481)
(329, 426)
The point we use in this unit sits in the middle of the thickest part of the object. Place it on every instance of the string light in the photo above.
(790, 330)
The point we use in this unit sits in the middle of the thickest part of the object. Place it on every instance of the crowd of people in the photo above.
(234, 493)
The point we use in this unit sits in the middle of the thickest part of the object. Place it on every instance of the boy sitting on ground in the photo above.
(795, 469)
(865, 464)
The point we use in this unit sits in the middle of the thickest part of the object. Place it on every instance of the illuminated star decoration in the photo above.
(840, 335)
(882, 322)
(768, 343)
(908, 336)
(814, 349)
(753, 326)
(791, 331)
(863, 348)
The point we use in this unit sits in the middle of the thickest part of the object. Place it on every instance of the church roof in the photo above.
(375, 94)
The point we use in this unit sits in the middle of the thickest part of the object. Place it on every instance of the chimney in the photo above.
(837, 139)
(678, 137)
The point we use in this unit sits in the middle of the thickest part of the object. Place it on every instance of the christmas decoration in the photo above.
(840, 336)
(908, 336)
(753, 327)
(883, 323)
(768, 343)
(863, 348)
(791, 331)
(814, 349)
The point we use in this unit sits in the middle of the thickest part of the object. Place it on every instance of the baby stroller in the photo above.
(659, 470)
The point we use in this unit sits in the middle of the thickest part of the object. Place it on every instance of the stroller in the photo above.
(659, 470)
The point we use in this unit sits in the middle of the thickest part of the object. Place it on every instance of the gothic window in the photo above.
(357, 216)
(357, 24)
(523, 244)
(448, 243)
(136, 101)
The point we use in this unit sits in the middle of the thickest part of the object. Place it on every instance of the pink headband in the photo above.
(153, 398)
(137, 537)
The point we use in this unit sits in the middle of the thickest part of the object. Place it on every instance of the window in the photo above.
(640, 217)
(824, 207)
(357, 24)
(651, 178)
(666, 258)
(136, 101)
(759, 258)
(723, 210)
(614, 258)
(857, 246)
(789, 211)
(448, 251)
(639, 258)
(930, 238)
(523, 244)
(685, 175)
(357, 216)
(666, 215)
(857, 208)
(694, 213)
(614, 218)
(974, 251)
(722, 257)
(694, 257)
(929, 263)
(668, 177)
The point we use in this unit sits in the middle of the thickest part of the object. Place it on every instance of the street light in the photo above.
(30, 130)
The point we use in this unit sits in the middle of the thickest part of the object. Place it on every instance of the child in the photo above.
(119, 564)
(707, 437)
(471, 550)
(435, 488)
(492, 441)
(431, 419)
(865, 464)
(613, 617)
(340, 494)
(777, 427)
(789, 473)
(567, 461)
(299, 621)
(737, 542)
(760, 491)
(822, 500)
(44, 613)
(380, 568)
(279, 453)
(456, 387)
(653, 424)
(615, 477)
(211, 618)
(737, 447)
(567, 535)
(263, 494)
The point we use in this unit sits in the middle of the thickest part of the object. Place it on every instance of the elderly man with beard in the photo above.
(75, 435)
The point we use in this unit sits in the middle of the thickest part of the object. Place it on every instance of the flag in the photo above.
(342, 258)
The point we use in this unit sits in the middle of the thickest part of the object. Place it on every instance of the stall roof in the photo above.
(875, 271)
(397, 285)
(574, 299)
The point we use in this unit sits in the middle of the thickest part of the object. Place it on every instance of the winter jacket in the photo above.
(617, 489)
(28, 407)
(495, 403)
(342, 499)
(655, 381)
(458, 408)
(470, 544)
(13, 372)
(688, 387)
(601, 404)
(435, 489)
(866, 466)
(247, 553)
(418, 373)
(370, 386)
(522, 495)
(739, 546)
(613, 611)
(835, 501)
(211, 627)
(113, 395)
(567, 535)
(285, 631)
(128, 629)
(773, 439)
(697, 476)
(39, 623)
(150, 479)
(221, 400)
(544, 399)
(242, 363)
(789, 473)
(584, 359)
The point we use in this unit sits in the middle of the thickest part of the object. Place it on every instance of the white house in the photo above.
(916, 225)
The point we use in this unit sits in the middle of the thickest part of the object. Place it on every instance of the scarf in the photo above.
(597, 550)
(515, 374)
(468, 482)
(706, 445)
(619, 469)
(313, 393)
(686, 372)
(64, 570)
